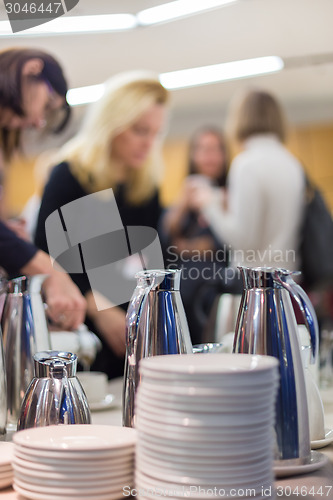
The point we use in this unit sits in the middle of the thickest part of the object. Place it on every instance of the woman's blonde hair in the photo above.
(125, 98)
(255, 112)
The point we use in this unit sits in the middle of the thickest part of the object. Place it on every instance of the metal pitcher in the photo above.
(155, 324)
(266, 324)
(54, 396)
(25, 332)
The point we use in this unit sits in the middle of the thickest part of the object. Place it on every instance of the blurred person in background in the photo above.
(184, 227)
(263, 216)
(117, 147)
(188, 240)
(33, 95)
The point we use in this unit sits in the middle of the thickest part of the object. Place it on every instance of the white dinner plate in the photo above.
(198, 437)
(240, 480)
(68, 492)
(220, 454)
(6, 453)
(321, 443)
(76, 438)
(4, 483)
(75, 459)
(6, 475)
(42, 496)
(145, 482)
(196, 420)
(245, 365)
(4, 471)
(193, 391)
(107, 483)
(202, 469)
(105, 404)
(72, 477)
(112, 466)
(317, 461)
(200, 405)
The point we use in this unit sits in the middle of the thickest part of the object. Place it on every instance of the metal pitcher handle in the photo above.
(305, 306)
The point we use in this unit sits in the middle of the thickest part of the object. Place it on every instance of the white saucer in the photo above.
(317, 461)
(42, 496)
(321, 443)
(4, 483)
(106, 403)
(6, 453)
(75, 439)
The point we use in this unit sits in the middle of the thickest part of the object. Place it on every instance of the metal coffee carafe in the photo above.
(55, 395)
(25, 332)
(266, 324)
(155, 324)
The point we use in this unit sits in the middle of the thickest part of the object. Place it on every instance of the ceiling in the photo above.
(297, 30)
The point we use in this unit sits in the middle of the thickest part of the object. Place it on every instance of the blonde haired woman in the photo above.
(265, 188)
(117, 147)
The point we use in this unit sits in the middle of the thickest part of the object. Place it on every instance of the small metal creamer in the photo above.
(54, 396)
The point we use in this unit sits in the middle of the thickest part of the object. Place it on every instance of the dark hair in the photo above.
(221, 180)
(11, 65)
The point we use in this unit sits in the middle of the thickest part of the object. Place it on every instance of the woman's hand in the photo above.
(66, 305)
(200, 196)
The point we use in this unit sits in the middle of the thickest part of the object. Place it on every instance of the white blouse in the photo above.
(265, 205)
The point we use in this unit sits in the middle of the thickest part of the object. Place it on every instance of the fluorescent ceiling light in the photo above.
(76, 24)
(191, 77)
(176, 9)
(221, 72)
(85, 95)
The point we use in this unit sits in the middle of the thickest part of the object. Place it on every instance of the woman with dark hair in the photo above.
(188, 240)
(33, 95)
(185, 228)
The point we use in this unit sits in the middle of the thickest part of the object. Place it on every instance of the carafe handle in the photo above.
(305, 306)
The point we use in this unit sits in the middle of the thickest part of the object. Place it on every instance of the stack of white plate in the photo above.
(92, 462)
(205, 426)
(6, 469)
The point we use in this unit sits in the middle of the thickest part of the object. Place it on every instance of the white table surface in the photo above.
(286, 487)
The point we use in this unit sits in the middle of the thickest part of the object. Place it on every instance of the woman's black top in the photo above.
(63, 188)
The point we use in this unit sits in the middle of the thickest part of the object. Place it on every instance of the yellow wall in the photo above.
(19, 184)
(312, 144)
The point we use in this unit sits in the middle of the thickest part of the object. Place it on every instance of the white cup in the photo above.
(95, 385)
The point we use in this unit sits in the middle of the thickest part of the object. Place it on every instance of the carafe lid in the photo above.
(160, 279)
(262, 277)
(22, 284)
(18, 285)
(51, 363)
